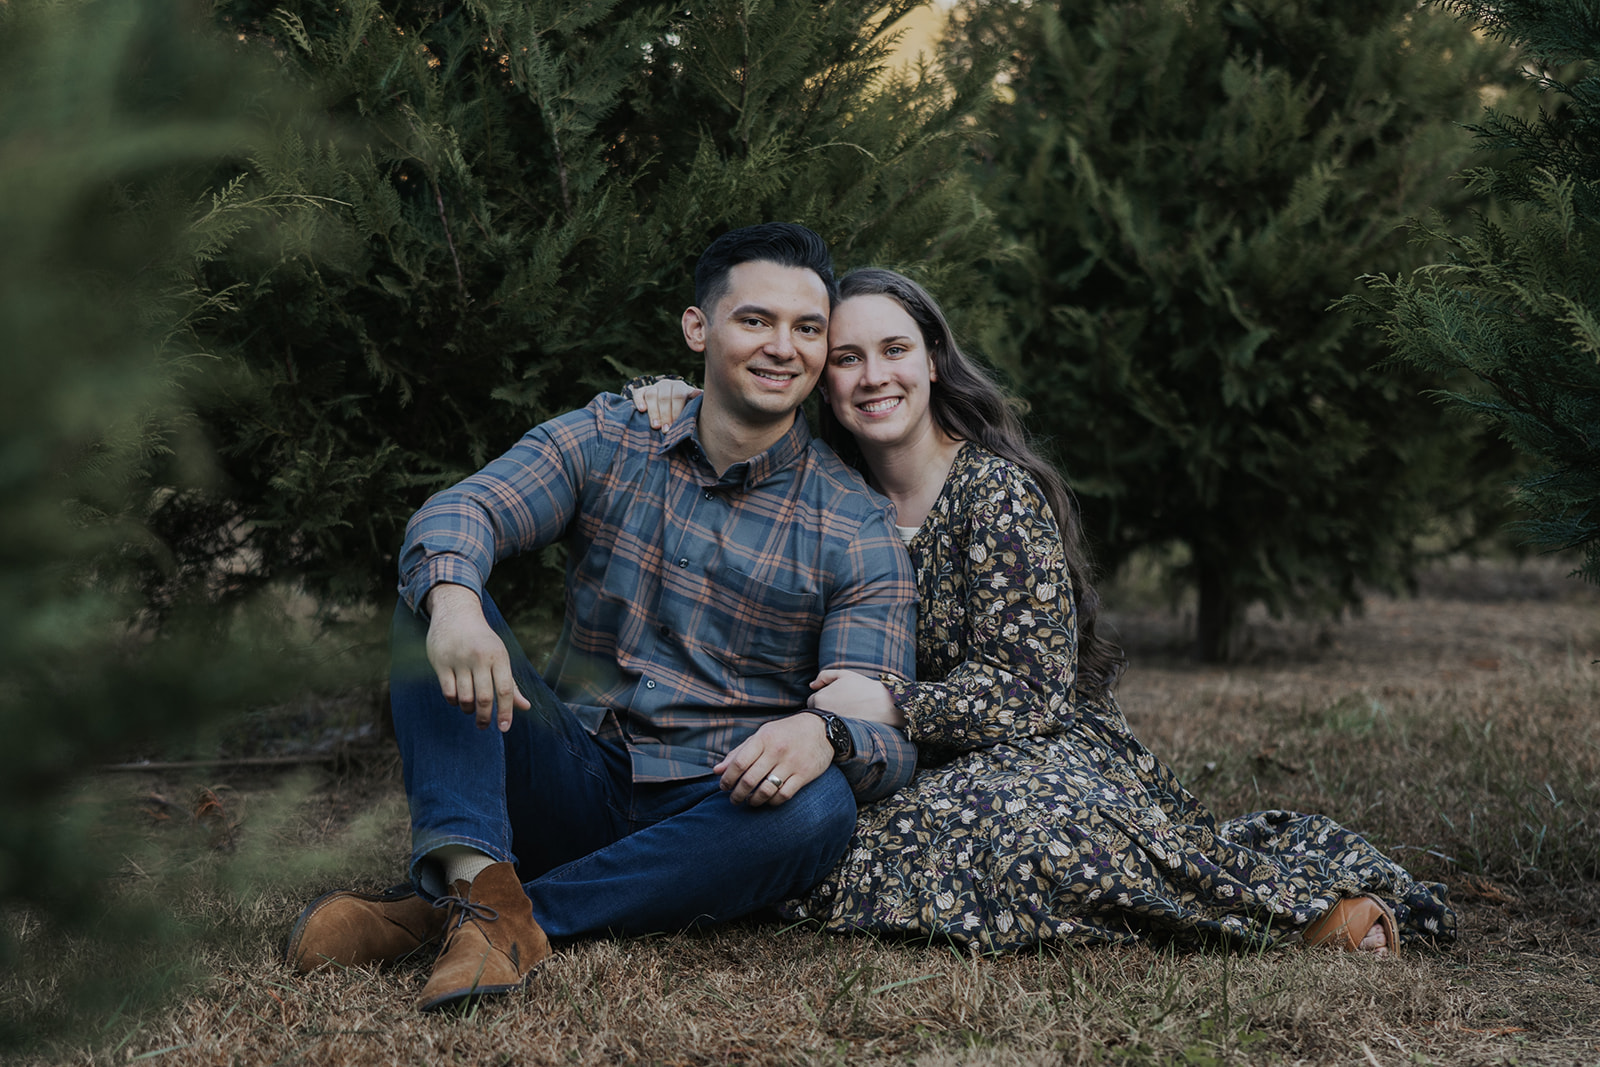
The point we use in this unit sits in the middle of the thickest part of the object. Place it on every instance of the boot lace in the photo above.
(465, 909)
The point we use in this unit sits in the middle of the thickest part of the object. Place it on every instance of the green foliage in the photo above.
(1191, 184)
(512, 197)
(1516, 306)
(112, 114)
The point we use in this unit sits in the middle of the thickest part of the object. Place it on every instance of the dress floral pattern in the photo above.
(1036, 814)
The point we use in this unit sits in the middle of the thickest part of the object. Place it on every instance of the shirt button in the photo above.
(649, 685)
(708, 495)
(666, 631)
(684, 562)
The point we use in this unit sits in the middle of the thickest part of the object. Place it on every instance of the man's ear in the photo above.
(694, 328)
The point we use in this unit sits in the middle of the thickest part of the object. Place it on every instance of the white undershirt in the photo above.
(906, 533)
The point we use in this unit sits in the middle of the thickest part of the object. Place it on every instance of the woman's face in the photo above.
(879, 372)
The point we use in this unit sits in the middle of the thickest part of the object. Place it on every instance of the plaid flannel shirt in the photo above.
(697, 607)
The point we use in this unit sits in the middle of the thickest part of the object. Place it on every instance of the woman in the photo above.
(1036, 814)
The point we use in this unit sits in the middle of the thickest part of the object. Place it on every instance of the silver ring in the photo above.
(777, 783)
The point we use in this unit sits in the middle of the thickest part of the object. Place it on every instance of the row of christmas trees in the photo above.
(481, 213)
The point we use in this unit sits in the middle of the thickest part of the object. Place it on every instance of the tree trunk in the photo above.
(1219, 614)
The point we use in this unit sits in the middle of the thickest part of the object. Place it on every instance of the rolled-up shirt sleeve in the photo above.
(883, 761)
(520, 502)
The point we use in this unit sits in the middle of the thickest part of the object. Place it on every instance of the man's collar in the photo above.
(747, 474)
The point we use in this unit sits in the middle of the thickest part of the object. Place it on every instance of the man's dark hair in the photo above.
(784, 243)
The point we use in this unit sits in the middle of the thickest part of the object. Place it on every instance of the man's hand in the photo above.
(855, 696)
(471, 661)
(777, 761)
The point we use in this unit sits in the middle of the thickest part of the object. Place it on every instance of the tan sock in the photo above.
(460, 863)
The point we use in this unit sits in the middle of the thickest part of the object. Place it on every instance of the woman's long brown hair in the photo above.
(967, 404)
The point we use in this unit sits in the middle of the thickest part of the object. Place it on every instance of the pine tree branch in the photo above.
(744, 79)
(245, 761)
(561, 167)
(461, 282)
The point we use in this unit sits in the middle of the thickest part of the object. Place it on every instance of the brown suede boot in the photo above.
(492, 943)
(347, 929)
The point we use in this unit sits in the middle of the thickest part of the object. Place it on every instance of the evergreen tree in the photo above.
(112, 115)
(1517, 304)
(513, 195)
(1192, 183)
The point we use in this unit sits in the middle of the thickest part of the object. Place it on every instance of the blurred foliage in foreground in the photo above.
(114, 115)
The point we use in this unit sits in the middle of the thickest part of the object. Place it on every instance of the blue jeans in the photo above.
(596, 851)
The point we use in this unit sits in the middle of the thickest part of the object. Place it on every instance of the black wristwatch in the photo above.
(838, 734)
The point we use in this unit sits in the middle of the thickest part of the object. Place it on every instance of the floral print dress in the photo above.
(1036, 815)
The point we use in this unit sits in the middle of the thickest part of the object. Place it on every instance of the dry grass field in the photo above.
(1459, 729)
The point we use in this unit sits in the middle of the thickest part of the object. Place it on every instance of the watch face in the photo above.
(839, 737)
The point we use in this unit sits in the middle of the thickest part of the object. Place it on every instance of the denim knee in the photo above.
(820, 819)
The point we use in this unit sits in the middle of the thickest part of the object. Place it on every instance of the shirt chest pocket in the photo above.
(756, 630)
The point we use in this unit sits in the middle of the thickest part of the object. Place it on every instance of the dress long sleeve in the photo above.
(997, 652)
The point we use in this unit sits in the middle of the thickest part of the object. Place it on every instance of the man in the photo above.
(668, 776)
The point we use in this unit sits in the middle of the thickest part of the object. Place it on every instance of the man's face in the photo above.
(765, 344)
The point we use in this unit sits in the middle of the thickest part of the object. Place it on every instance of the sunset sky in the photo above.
(922, 26)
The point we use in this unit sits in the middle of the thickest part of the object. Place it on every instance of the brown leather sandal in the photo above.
(1347, 923)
